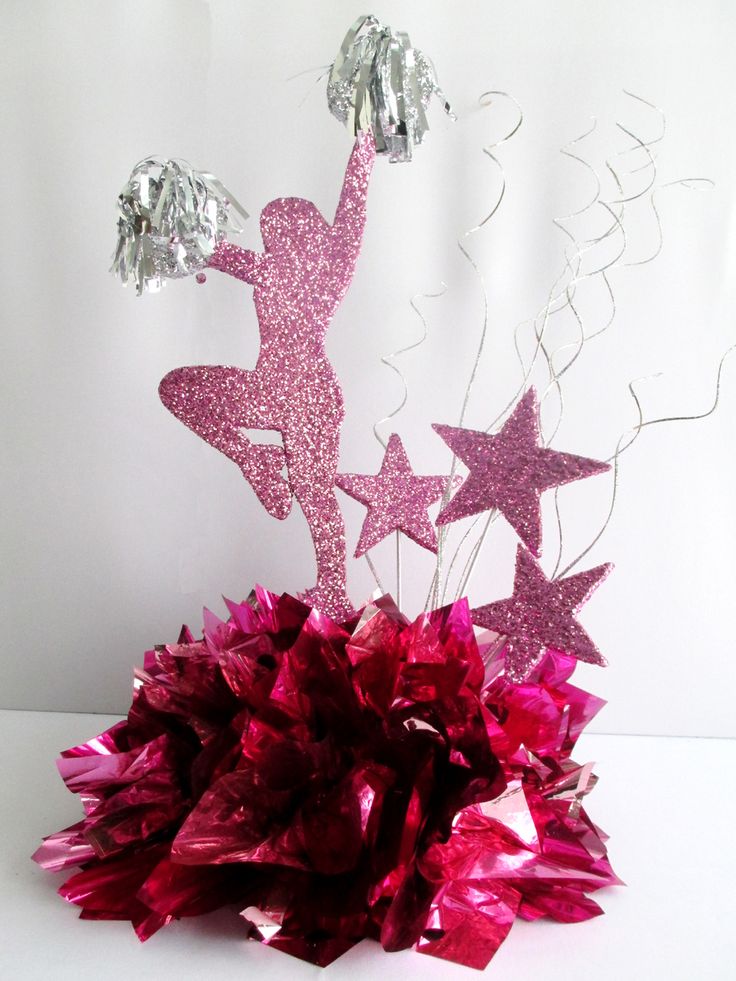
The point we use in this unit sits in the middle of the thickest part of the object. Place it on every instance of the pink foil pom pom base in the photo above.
(376, 778)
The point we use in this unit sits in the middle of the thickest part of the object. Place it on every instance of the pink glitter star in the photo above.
(510, 471)
(540, 615)
(397, 499)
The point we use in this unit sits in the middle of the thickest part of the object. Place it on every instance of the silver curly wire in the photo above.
(562, 297)
(548, 310)
(649, 143)
(688, 418)
(565, 295)
(629, 437)
(649, 163)
(553, 297)
(572, 267)
(308, 71)
(690, 183)
(324, 72)
(557, 301)
(585, 339)
(389, 361)
(555, 372)
(485, 101)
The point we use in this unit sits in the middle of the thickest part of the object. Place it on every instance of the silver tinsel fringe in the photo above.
(171, 218)
(378, 81)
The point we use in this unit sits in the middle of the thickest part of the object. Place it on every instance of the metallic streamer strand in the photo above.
(378, 81)
(170, 220)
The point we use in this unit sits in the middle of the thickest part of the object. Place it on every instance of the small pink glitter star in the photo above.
(510, 471)
(397, 499)
(540, 615)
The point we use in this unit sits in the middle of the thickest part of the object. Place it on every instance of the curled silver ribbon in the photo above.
(170, 220)
(378, 81)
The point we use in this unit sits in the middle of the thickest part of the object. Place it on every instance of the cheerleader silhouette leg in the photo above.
(312, 459)
(217, 403)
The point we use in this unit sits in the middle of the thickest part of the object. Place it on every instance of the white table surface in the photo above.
(669, 805)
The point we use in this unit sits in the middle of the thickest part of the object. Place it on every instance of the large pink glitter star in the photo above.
(397, 499)
(510, 471)
(540, 615)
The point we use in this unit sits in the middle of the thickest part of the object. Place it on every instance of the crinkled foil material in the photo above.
(378, 81)
(380, 778)
(170, 220)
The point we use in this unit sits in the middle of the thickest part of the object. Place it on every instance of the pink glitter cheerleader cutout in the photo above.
(298, 283)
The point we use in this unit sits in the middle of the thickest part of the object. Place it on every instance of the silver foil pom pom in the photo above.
(170, 220)
(379, 82)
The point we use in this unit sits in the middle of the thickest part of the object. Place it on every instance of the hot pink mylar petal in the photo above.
(65, 849)
(468, 922)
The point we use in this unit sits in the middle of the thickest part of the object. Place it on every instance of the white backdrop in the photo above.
(118, 524)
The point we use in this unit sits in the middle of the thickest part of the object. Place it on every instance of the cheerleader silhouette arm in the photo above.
(243, 264)
(350, 215)
(347, 228)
